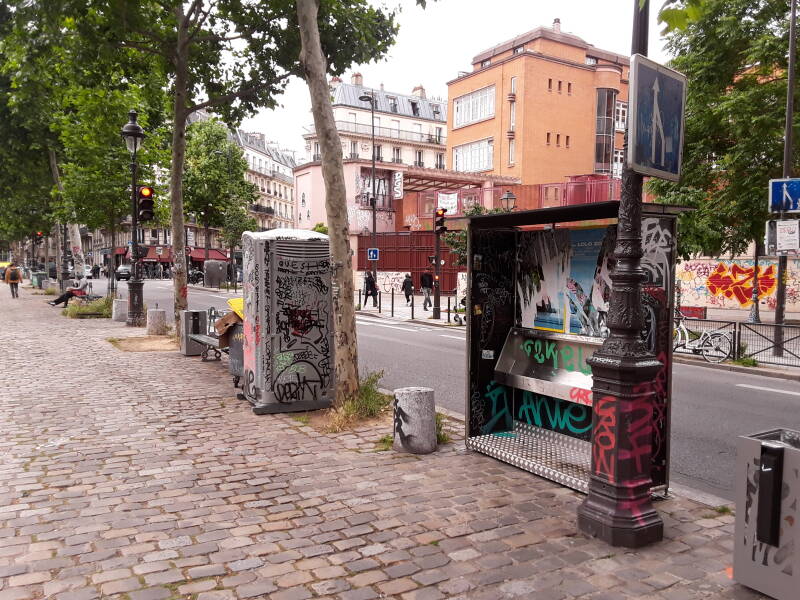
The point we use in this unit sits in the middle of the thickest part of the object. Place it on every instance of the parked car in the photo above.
(124, 272)
(88, 271)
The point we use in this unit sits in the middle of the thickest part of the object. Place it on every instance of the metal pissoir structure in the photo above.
(288, 325)
(539, 293)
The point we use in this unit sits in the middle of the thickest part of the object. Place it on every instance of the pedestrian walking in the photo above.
(426, 283)
(408, 288)
(370, 289)
(13, 278)
(96, 271)
(78, 290)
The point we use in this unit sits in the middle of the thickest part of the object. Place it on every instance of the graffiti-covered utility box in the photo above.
(531, 329)
(288, 327)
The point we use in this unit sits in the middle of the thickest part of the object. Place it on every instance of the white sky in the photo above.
(433, 45)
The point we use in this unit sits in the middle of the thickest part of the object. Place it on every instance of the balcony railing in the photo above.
(365, 129)
(267, 210)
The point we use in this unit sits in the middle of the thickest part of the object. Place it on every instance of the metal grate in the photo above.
(551, 455)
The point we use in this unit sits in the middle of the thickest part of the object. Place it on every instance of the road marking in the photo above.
(454, 337)
(387, 326)
(766, 389)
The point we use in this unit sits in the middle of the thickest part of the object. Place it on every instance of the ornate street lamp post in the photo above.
(509, 201)
(373, 199)
(133, 135)
(618, 509)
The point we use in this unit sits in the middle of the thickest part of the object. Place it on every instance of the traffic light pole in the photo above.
(437, 251)
(135, 283)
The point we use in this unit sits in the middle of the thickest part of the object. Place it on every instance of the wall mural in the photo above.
(718, 283)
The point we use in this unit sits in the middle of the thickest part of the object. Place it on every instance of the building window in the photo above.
(438, 135)
(353, 149)
(569, 88)
(549, 85)
(440, 160)
(418, 162)
(477, 156)
(512, 152)
(512, 123)
(379, 152)
(559, 87)
(548, 138)
(436, 110)
(591, 60)
(616, 168)
(415, 108)
(558, 140)
(621, 115)
(513, 85)
(303, 199)
(392, 104)
(396, 155)
(473, 107)
(486, 63)
(566, 141)
(519, 50)
(316, 152)
(604, 136)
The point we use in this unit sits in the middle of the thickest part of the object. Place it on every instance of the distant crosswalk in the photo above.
(403, 326)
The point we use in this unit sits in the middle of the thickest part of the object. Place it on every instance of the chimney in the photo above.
(335, 81)
(381, 86)
(418, 91)
(357, 79)
(557, 25)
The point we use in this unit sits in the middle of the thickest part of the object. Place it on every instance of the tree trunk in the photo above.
(207, 241)
(111, 284)
(179, 115)
(314, 68)
(73, 230)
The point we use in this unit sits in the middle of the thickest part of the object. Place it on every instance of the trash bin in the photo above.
(193, 321)
(236, 352)
(766, 530)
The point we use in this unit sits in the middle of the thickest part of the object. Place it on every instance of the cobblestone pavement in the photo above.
(139, 476)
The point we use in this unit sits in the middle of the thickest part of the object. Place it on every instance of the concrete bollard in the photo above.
(414, 420)
(119, 310)
(156, 321)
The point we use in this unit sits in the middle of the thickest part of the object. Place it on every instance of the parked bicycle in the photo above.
(713, 346)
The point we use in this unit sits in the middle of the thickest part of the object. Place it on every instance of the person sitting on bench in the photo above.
(79, 290)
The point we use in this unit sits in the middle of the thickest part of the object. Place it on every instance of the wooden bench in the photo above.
(210, 344)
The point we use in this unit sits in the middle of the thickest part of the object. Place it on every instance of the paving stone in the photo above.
(257, 588)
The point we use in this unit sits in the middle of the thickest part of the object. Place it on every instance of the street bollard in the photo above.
(156, 321)
(412, 302)
(360, 306)
(380, 298)
(414, 420)
(119, 310)
(392, 301)
(448, 309)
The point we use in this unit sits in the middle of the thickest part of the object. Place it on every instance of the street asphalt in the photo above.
(710, 408)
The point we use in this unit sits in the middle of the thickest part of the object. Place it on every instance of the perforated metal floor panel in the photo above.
(551, 455)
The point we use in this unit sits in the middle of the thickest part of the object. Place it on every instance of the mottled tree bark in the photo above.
(315, 72)
(73, 230)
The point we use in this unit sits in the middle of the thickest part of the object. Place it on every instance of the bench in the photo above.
(210, 344)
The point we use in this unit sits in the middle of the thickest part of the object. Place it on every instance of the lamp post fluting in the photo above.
(373, 199)
(133, 135)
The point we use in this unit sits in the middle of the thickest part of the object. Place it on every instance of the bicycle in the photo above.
(714, 346)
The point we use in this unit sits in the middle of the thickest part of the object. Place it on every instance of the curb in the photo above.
(764, 372)
(375, 315)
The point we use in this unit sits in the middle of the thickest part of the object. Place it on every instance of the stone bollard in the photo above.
(156, 321)
(119, 310)
(414, 420)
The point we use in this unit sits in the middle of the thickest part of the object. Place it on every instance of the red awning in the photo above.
(151, 255)
(166, 255)
(121, 250)
(213, 254)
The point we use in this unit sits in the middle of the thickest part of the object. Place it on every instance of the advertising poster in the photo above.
(586, 246)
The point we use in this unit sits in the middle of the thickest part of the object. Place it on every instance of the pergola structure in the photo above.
(420, 179)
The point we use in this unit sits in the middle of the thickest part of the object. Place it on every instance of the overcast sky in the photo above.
(435, 44)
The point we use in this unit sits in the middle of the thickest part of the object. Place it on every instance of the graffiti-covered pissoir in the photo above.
(533, 327)
(288, 326)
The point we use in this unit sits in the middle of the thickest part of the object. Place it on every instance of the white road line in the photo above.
(766, 389)
(454, 337)
(386, 326)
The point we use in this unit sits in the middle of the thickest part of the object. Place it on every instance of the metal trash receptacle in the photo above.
(236, 352)
(766, 530)
(193, 321)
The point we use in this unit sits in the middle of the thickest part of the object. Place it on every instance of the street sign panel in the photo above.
(787, 237)
(784, 195)
(656, 113)
(372, 253)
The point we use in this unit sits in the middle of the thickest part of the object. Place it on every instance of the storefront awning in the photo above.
(213, 254)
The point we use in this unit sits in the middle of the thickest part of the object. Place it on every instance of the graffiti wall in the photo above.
(716, 283)
(387, 281)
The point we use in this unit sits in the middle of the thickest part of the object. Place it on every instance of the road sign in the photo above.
(784, 195)
(372, 253)
(656, 113)
(787, 237)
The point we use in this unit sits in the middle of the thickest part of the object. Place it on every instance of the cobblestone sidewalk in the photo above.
(139, 476)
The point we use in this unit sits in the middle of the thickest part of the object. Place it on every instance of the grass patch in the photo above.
(723, 510)
(746, 362)
(368, 403)
(101, 306)
(385, 443)
(51, 292)
(441, 434)
(302, 419)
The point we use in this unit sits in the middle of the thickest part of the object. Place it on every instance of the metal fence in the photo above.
(748, 340)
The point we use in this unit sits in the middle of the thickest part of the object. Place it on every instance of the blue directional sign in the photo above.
(784, 195)
(655, 134)
(372, 254)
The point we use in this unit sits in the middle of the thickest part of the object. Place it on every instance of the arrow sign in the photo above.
(784, 195)
(372, 253)
(656, 119)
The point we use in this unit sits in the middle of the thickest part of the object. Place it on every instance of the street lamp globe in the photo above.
(365, 97)
(132, 133)
(509, 200)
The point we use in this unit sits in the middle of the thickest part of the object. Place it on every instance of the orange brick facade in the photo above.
(557, 77)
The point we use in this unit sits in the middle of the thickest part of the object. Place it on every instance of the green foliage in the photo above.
(367, 404)
(100, 309)
(302, 419)
(321, 228)
(235, 221)
(385, 443)
(746, 362)
(734, 55)
(442, 436)
(457, 240)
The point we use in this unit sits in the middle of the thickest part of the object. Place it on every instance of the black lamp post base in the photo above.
(136, 316)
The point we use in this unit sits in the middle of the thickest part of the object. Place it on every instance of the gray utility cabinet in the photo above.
(288, 325)
(766, 554)
(193, 321)
(215, 272)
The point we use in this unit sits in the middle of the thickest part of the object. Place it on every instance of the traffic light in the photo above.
(146, 203)
(438, 222)
(39, 237)
(432, 259)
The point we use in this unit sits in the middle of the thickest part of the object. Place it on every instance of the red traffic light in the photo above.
(39, 233)
(440, 212)
(145, 191)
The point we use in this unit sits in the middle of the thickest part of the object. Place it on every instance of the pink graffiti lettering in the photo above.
(605, 438)
(581, 396)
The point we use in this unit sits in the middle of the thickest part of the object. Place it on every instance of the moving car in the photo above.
(124, 272)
